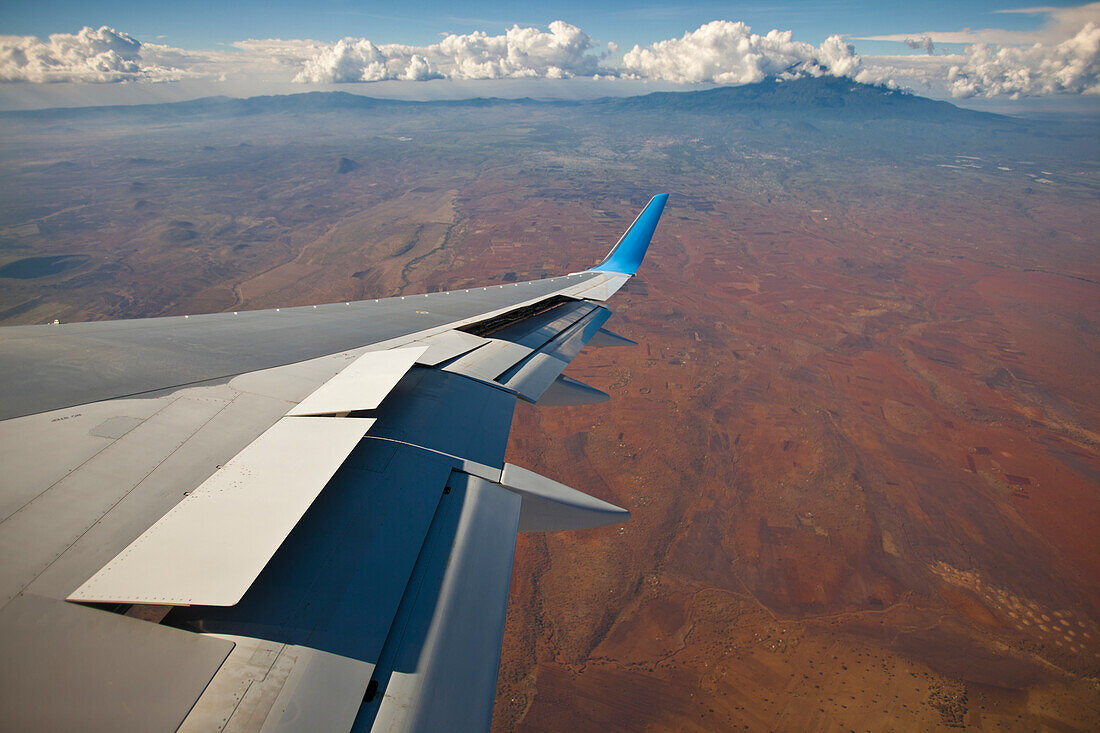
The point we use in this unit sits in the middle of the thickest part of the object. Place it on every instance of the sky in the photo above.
(67, 52)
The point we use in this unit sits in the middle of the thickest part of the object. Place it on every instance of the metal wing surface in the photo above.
(292, 519)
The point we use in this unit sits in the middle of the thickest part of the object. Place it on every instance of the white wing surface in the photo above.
(295, 519)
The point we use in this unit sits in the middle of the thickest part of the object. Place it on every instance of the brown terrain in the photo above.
(864, 489)
(860, 437)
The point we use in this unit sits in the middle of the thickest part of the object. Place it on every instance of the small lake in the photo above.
(29, 268)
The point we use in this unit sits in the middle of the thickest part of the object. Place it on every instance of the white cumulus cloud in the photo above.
(103, 55)
(1060, 22)
(725, 52)
(561, 52)
(1072, 66)
(1061, 57)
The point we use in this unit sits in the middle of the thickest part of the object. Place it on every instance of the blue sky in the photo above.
(84, 51)
(203, 24)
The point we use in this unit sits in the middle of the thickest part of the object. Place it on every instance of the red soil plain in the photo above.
(860, 452)
(858, 443)
(858, 437)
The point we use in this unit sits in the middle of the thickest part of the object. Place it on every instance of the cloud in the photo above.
(723, 52)
(726, 52)
(1065, 59)
(562, 52)
(1061, 56)
(925, 43)
(295, 50)
(1072, 66)
(1058, 25)
(925, 73)
(964, 36)
(100, 56)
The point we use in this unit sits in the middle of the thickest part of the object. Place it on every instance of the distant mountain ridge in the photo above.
(830, 97)
(826, 96)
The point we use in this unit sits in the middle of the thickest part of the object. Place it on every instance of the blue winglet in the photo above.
(627, 254)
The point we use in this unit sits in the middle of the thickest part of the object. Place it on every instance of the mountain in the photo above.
(823, 97)
(827, 96)
(220, 106)
(346, 165)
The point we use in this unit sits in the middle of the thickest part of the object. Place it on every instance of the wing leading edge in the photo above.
(381, 605)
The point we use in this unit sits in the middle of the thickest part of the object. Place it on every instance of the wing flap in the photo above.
(490, 360)
(321, 694)
(534, 375)
(434, 668)
(69, 667)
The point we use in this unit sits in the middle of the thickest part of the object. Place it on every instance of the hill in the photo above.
(824, 96)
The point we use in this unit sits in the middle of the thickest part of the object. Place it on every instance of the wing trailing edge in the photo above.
(379, 596)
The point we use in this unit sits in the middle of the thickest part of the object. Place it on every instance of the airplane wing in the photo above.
(291, 519)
